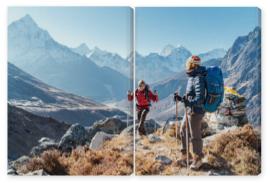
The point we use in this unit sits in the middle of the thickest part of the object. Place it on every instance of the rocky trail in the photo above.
(158, 154)
(231, 151)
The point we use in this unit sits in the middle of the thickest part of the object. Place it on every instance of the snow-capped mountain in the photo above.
(111, 60)
(168, 62)
(156, 67)
(35, 51)
(213, 54)
(104, 58)
(33, 95)
(167, 50)
(242, 68)
(177, 58)
(82, 49)
(152, 68)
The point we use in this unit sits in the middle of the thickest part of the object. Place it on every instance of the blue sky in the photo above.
(108, 28)
(198, 29)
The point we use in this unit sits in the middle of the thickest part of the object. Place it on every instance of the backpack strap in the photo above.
(146, 92)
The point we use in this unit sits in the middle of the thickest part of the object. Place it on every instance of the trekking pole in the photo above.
(127, 111)
(176, 119)
(127, 115)
(187, 140)
(155, 122)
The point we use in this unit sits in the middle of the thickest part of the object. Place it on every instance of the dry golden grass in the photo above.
(147, 152)
(113, 159)
(50, 161)
(237, 150)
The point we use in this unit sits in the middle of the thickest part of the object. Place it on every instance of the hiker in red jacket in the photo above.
(143, 96)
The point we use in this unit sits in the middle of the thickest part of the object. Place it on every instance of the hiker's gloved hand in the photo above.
(129, 92)
(185, 100)
(176, 97)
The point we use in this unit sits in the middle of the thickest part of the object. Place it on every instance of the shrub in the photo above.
(237, 150)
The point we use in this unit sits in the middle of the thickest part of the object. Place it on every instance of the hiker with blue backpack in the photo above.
(204, 93)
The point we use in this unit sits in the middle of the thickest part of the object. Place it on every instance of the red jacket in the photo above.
(142, 102)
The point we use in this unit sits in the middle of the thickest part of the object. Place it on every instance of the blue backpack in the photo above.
(214, 89)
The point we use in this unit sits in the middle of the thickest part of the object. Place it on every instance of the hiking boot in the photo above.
(183, 159)
(141, 130)
(196, 163)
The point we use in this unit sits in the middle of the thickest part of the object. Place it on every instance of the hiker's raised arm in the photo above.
(153, 96)
(130, 95)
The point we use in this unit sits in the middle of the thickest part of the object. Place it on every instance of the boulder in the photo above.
(40, 172)
(128, 130)
(153, 138)
(12, 171)
(76, 135)
(98, 140)
(170, 123)
(44, 145)
(151, 126)
(231, 112)
(218, 122)
(163, 160)
(218, 172)
(44, 139)
(19, 162)
(110, 125)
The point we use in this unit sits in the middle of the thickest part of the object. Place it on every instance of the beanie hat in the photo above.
(141, 82)
(195, 59)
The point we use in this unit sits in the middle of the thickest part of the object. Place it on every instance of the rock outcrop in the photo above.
(99, 139)
(109, 126)
(151, 126)
(153, 138)
(44, 145)
(231, 112)
(25, 129)
(164, 160)
(76, 135)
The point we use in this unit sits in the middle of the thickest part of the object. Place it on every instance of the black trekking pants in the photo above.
(141, 116)
(194, 134)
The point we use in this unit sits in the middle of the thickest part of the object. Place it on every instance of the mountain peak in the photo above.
(27, 26)
(167, 50)
(213, 54)
(99, 51)
(170, 49)
(83, 45)
(180, 46)
(27, 17)
(82, 49)
(255, 32)
(28, 21)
